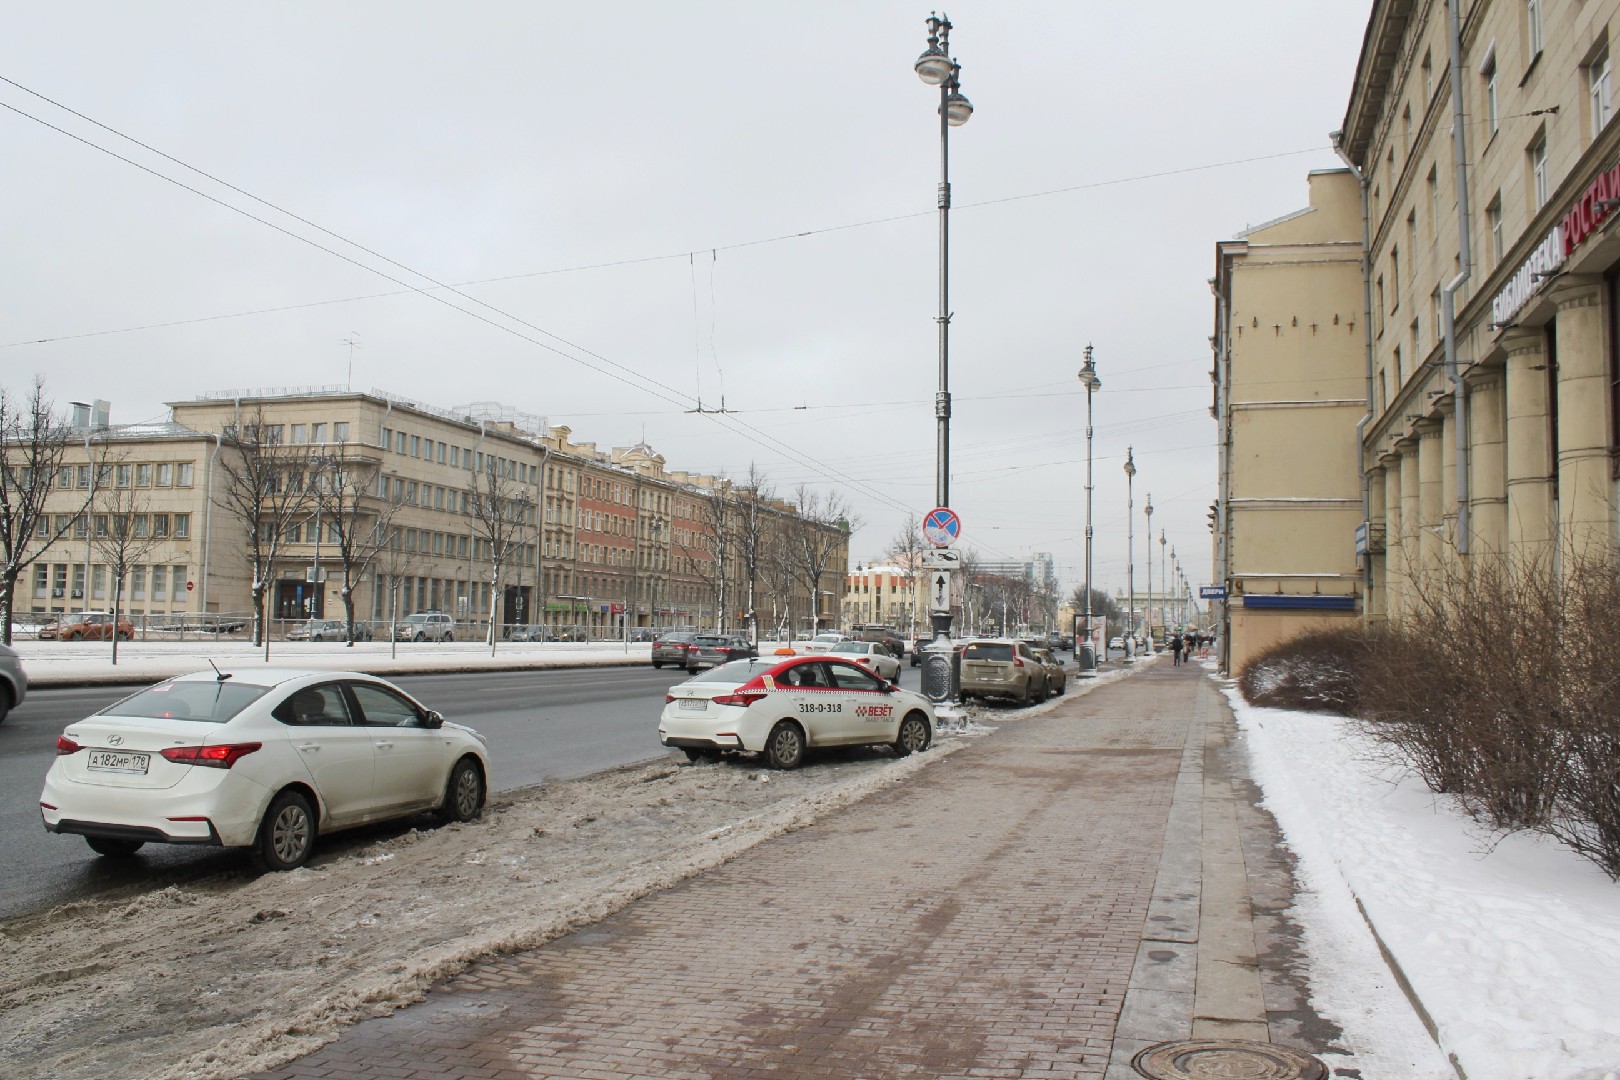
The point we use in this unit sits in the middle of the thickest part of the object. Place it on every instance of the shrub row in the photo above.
(1499, 687)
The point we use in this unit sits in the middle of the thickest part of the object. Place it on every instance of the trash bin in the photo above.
(1087, 655)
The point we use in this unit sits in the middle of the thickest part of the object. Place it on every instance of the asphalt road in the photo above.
(540, 725)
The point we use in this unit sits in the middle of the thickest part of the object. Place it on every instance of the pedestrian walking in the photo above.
(1177, 643)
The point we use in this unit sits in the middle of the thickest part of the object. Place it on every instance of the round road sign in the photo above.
(942, 527)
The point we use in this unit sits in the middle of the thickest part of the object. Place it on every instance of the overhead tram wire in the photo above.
(646, 383)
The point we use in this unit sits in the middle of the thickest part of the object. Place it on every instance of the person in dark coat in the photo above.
(1177, 643)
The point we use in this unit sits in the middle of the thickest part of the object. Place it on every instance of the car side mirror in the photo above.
(433, 720)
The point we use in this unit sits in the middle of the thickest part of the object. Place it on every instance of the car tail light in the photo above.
(66, 746)
(1018, 661)
(668, 698)
(218, 756)
(749, 692)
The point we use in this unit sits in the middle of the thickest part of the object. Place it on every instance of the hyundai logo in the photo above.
(115, 740)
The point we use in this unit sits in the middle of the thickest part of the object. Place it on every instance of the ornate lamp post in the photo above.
(937, 67)
(1147, 609)
(1130, 554)
(1088, 378)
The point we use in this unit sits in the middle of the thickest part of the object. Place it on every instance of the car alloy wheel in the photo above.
(784, 748)
(464, 793)
(913, 737)
(287, 834)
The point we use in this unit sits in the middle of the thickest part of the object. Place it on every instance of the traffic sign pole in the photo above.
(941, 528)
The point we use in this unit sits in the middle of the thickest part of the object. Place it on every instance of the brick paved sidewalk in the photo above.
(1046, 902)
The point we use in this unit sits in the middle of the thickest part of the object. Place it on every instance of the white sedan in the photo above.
(265, 759)
(783, 708)
(869, 654)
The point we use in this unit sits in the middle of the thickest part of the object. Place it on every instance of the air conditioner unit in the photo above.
(56, 594)
(78, 594)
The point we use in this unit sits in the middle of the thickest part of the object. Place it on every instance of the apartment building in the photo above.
(601, 540)
(1289, 390)
(1506, 442)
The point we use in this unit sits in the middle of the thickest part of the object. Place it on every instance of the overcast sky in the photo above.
(660, 202)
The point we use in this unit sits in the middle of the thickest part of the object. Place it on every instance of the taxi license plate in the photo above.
(694, 704)
(117, 761)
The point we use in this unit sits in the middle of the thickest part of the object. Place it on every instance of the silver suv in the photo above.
(425, 626)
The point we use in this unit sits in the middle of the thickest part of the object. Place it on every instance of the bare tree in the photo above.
(501, 510)
(32, 445)
(393, 565)
(265, 490)
(121, 530)
(751, 503)
(820, 534)
(716, 507)
(358, 516)
(907, 548)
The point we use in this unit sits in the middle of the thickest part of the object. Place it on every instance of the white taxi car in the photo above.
(783, 708)
(266, 759)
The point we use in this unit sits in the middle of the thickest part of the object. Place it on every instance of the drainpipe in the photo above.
(1223, 420)
(1448, 309)
(1367, 335)
(208, 521)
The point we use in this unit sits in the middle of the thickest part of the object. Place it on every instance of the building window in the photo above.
(1493, 229)
(1487, 74)
(182, 526)
(42, 579)
(160, 583)
(1538, 171)
(98, 582)
(300, 434)
(399, 442)
(160, 526)
(1434, 203)
(416, 446)
(1598, 75)
(123, 474)
(183, 475)
(387, 438)
(1428, 79)
(177, 575)
(1400, 375)
(317, 433)
(1416, 343)
(340, 431)
(143, 476)
(137, 583)
(165, 475)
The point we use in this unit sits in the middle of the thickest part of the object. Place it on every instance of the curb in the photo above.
(115, 679)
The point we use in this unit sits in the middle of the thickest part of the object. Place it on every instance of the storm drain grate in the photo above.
(1225, 1059)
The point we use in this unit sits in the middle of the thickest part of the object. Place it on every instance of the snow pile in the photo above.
(236, 974)
(1511, 945)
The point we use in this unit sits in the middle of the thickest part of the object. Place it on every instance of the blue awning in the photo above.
(1310, 603)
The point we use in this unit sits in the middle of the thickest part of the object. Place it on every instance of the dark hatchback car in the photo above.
(712, 650)
(672, 649)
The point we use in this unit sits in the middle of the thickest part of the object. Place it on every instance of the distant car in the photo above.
(712, 650)
(85, 626)
(1116, 643)
(261, 759)
(893, 642)
(530, 632)
(821, 643)
(870, 655)
(425, 626)
(783, 708)
(13, 681)
(1057, 677)
(1000, 667)
(918, 645)
(643, 633)
(672, 648)
(328, 630)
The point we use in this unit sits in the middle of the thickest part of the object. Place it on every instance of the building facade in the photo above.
(1503, 443)
(1289, 389)
(601, 541)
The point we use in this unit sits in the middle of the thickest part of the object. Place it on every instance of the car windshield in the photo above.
(207, 701)
(736, 672)
(673, 638)
(860, 647)
(988, 650)
(711, 639)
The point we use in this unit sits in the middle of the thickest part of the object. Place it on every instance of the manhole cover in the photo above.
(1217, 1059)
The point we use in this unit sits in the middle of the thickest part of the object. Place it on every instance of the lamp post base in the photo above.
(940, 678)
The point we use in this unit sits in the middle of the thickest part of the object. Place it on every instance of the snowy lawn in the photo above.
(1512, 945)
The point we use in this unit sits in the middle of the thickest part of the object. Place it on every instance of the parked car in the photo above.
(85, 626)
(13, 681)
(821, 643)
(712, 650)
(672, 648)
(870, 655)
(263, 759)
(893, 642)
(643, 633)
(1000, 667)
(425, 626)
(1057, 676)
(529, 632)
(328, 630)
(784, 708)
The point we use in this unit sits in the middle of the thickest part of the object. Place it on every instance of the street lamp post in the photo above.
(1147, 611)
(937, 67)
(1130, 555)
(1088, 378)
